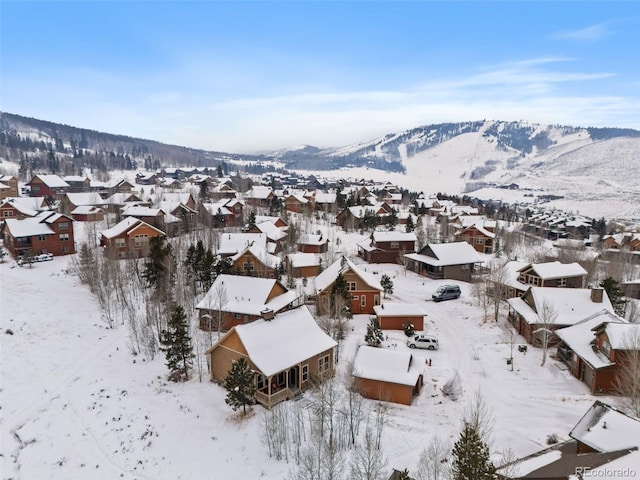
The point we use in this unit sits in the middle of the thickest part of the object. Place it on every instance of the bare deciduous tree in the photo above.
(432, 464)
(477, 413)
(367, 462)
(627, 381)
(547, 316)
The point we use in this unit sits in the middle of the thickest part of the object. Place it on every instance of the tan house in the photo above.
(255, 261)
(309, 243)
(393, 316)
(553, 274)
(479, 237)
(8, 186)
(388, 375)
(286, 351)
(129, 238)
(235, 300)
(364, 288)
(302, 265)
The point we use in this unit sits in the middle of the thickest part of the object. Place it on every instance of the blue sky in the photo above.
(255, 76)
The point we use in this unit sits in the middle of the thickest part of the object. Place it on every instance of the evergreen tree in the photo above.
(410, 226)
(158, 270)
(471, 457)
(387, 284)
(374, 336)
(615, 294)
(252, 220)
(219, 171)
(240, 385)
(392, 219)
(204, 192)
(340, 298)
(176, 345)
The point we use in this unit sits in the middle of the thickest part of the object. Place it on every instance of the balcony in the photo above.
(269, 401)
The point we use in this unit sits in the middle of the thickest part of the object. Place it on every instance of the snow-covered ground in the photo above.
(76, 404)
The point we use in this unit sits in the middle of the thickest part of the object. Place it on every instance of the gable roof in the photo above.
(19, 206)
(311, 239)
(27, 227)
(454, 253)
(399, 309)
(579, 338)
(260, 253)
(298, 260)
(623, 336)
(551, 270)
(85, 198)
(385, 365)
(246, 295)
(571, 304)
(127, 225)
(269, 228)
(286, 340)
(328, 276)
(394, 236)
(232, 243)
(606, 429)
(52, 181)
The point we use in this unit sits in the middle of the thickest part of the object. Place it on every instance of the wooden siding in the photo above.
(387, 391)
(396, 322)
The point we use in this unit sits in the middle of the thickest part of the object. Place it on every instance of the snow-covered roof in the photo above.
(232, 243)
(27, 227)
(454, 253)
(178, 197)
(309, 239)
(386, 365)
(259, 192)
(579, 338)
(268, 218)
(394, 236)
(570, 304)
(606, 429)
(126, 225)
(140, 211)
(85, 210)
(299, 260)
(246, 295)
(74, 178)
(480, 228)
(286, 340)
(273, 233)
(260, 253)
(322, 197)
(53, 181)
(623, 336)
(328, 276)
(611, 470)
(532, 463)
(85, 198)
(551, 270)
(20, 207)
(399, 309)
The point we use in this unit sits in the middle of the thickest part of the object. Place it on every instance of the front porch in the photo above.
(282, 386)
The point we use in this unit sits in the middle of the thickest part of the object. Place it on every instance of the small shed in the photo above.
(393, 316)
(388, 375)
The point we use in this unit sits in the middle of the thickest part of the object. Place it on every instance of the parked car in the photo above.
(424, 341)
(44, 257)
(446, 292)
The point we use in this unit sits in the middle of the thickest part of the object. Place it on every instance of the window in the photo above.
(141, 240)
(323, 364)
(352, 286)
(395, 245)
(363, 301)
(42, 238)
(237, 316)
(562, 282)
(65, 249)
(355, 297)
(376, 299)
(119, 242)
(606, 348)
(7, 213)
(262, 382)
(63, 225)
(464, 266)
(64, 237)
(305, 373)
(248, 266)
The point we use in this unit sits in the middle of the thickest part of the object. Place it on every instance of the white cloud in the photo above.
(588, 34)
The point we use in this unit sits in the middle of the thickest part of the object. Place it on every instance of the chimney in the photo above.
(267, 314)
(596, 295)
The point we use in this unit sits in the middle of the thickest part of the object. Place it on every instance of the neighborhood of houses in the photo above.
(272, 324)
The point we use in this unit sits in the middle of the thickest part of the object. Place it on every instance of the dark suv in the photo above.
(446, 292)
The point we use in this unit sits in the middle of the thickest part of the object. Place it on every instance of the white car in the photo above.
(44, 257)
(428, 342)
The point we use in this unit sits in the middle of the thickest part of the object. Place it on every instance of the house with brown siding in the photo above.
(255, 261)
(480, 238)
(235, 300)
(17, 207)
(564, 306)
(454, 261)
(129, 238)
(593, 357)
(286, 351)
(9, 186)
(87, 213)
(48, 186)
(259, 196)
(553, 274)
(364, 288)
(352, 217)
(388, 375)
(47, 232)
(393, 316)
(296, 203)
(387, 247)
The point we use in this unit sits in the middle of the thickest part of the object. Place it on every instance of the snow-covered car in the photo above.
(428, 342)
(446, 292)
(44, 257)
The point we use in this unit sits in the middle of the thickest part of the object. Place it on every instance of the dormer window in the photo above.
(606, 347)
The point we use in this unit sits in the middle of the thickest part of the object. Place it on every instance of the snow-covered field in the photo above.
(76, 404)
